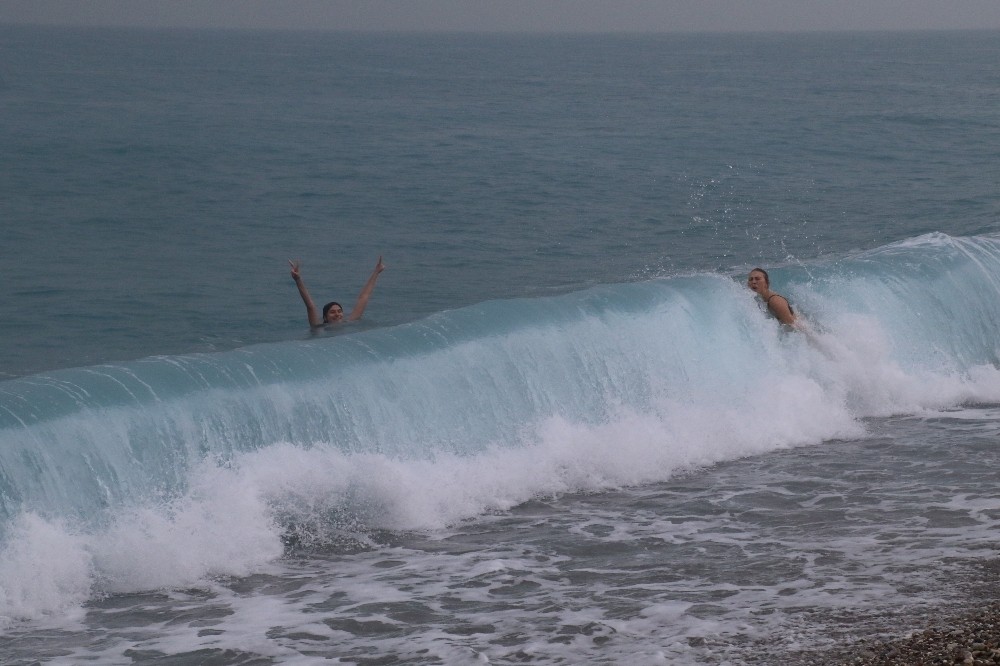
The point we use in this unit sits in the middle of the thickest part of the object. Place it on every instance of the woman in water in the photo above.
(333, 313)
(777, 305)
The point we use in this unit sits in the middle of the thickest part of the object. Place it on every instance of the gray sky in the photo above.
(516, 15)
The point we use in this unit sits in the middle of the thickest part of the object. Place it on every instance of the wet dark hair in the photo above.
(767, 280)
(326, 308)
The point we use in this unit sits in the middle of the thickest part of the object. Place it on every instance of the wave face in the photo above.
(162, 471)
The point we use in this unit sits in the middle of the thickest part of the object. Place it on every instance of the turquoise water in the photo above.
(564, 432)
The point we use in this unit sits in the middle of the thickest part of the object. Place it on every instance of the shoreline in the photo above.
(966, 633)
(972, 637)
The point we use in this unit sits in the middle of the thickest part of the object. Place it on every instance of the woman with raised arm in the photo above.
(333, 313)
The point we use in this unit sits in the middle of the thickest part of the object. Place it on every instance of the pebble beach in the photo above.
(973, 638)
(970, 636)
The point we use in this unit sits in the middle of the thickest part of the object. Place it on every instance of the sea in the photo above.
(564, 431)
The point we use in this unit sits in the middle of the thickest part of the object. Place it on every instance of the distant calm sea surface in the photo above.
(564, 431)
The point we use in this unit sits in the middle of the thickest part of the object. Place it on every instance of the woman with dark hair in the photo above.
(333, 313)
(777, 305)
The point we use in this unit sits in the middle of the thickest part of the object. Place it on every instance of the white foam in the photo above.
(44, 568)
(222, 526)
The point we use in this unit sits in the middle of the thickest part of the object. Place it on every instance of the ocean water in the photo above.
(564, 431)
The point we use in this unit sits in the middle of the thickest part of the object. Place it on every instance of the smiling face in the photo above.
(333, 312)
(757, 281)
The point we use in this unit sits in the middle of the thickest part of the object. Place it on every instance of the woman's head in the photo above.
(758, 281)
(332, 311)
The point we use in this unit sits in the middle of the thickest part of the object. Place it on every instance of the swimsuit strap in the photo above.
(768, 302)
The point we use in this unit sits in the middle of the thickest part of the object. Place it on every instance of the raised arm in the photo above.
(311, 311)
(366, 292)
